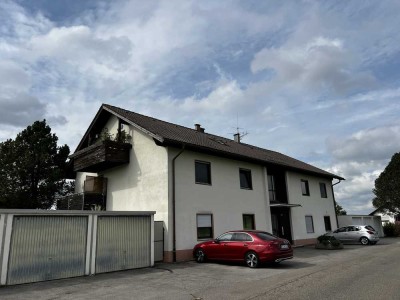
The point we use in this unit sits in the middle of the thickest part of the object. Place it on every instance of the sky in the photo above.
(316, 80)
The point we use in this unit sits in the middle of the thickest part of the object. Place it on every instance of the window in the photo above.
(322, 188)
(265, 236)
(342, 229)
(248, 222)
(226, 237)
(245, 179)
(241, 237)
(271, 188)
(203, 172)
(309, 224)
(327, 221)
(204, 226)
(304, 188)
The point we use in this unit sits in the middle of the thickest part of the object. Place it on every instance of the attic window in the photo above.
(219, 141)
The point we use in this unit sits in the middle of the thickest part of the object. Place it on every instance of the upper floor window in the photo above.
(203, 172)
(304, 188)
(245, 179)
(322, 188)
(271, 188)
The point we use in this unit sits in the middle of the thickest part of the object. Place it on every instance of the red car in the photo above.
(251, 246)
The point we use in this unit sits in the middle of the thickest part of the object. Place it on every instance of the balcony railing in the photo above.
(101, 156)
(82, 201)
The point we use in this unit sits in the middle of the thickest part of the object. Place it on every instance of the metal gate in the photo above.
(47, 247)
(158, 241)
(123, 242)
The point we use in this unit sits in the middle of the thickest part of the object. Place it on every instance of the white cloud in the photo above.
(79, 45)
(365, 145)
(321, 62)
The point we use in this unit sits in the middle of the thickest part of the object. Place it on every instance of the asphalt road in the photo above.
(356, 272)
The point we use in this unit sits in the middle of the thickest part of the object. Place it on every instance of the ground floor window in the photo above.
(327, 220)
(248, 222)
(204, 226)
(309, 224)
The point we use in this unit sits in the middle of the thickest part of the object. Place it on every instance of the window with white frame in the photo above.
(245, 179)
(309, 224)
(322, 188)
(204, 226)
(304, 188)
(203, 172)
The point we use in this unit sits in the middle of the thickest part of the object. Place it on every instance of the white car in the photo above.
(364, 234)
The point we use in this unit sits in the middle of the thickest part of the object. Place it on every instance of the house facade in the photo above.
(199, 184)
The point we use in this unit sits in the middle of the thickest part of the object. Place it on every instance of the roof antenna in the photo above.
(237, 136)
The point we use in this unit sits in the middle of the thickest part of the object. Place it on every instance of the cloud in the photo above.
(79, 45)
(21, 110)
(366, 145)
(321, 62)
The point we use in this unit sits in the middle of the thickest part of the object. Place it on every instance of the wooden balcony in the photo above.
(100, 157)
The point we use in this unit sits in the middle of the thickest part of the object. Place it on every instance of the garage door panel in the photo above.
(123, 242)
(47, 247)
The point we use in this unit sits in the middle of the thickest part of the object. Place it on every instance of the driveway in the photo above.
(190, 280)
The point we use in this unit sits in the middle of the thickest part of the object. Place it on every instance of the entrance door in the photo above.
(280, 219)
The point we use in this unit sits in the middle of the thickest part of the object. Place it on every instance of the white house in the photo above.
(386, 216)
(200, 184)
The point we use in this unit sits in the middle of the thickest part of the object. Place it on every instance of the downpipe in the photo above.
(174, 205)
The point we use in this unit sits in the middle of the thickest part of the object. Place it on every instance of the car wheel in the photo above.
(364, 241)
(200, 256)
(251, 259)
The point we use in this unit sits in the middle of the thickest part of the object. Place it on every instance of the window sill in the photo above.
(203, 183)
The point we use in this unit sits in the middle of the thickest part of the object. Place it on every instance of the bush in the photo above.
(397, 228)
(328, 240)
(389, 229)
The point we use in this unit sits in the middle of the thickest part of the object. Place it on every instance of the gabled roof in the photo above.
(169, 134)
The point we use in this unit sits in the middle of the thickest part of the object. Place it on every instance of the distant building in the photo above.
(386, 216)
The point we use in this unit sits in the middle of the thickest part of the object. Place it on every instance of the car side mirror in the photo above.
(216, 241)
(335, 231)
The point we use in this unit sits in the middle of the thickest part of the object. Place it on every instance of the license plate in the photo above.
(284, 247)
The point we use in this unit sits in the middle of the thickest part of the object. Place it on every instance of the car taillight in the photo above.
(370, 232)
(274, 245)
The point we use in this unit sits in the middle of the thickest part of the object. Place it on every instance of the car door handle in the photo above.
(245, 245)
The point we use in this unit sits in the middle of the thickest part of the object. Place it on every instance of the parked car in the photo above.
(364, 234)
(251, 246)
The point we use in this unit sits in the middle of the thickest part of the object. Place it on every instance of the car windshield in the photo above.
(370, 228)
(265, 236)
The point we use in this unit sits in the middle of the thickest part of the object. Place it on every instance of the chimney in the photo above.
(198, 128)
(236, 137)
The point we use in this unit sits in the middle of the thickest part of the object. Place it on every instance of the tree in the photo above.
(387, 186)
(32, 168)
(339, 210)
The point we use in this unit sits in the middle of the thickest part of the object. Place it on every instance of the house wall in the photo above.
(313, 205)
(141, 185)
(224, 198)
(386, 217)
(80, 180)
